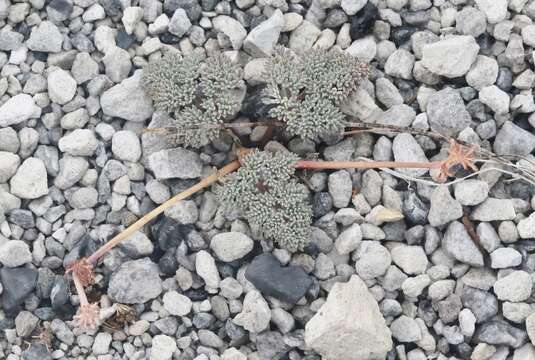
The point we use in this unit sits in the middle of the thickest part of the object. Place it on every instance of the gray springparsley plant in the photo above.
(195, 92)
(305, 91)
(268, 196)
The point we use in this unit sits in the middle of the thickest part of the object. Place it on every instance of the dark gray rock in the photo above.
(414, 209)
(500, 333)
(59, 295)
(135, 282)
(18, 283)
(288, 284)
(483, 304)
(36, 351)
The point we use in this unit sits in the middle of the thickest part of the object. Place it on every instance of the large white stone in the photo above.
(349, 325)
(19, 108)
(30, 181)
(61, 86)
(127, 100)
(451, 57)
(261, 40)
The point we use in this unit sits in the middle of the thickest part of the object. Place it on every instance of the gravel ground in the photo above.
(199, 283)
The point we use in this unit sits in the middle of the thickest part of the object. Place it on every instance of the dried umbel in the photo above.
(268, 196)
(305, 91)
(199, 94)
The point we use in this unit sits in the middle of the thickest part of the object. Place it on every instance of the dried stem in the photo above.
(311, 164)
(207, 181)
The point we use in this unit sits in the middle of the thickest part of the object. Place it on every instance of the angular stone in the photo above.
(457, 243)
(45, 37)
(18, 283)
(19, 108)
(500, 333)
(494, 210)
(446, 112)
(349, 325)
(255, 314)
(288, 284)
(175, 163)
(127, 100)
(30, 181)
(513, 140)
(262, 39)
(231, 28)
(451, 57)
(231, 246)
(135, 282)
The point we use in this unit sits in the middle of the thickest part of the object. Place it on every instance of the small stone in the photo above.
(127, 100)
(495, 10)
(471, 21)
(75, 119)
(340, 188)
(163, 347)
(80, 142)
(349, 240)
(19, 108)
(458, 243)
(9, 164)
(451, 57)
(446, 112)
(406, 148)
(304, 37)
(175, 163)
(496, 99)
(513, 140)
(411, 259)
(288, 284)
(118, 65)
(351, 7)
(504, 258)
(15, 253)
(372, 260)
(484, 72)
(102, 342)
(362, 22)
(137, 245)
(526, 227)
(471, 192)
(231, 28)
(405, 329)
(177, 304)
(262, 39)
(135, 282)
(179, 23)
(494, 210)
(207, 270)
(233, 354)
(18, 284)
(483, 304)
(400, 64)
(365, 337)
(364, 49)
(126, 146)
(30, 181)
(84, 68)
(444, 208)
(231, 246)
(10, 40)
(61, 86)
(255, 315)
(45, 37)
(131, 16)
(467, 322)
(413, 287)
(500, 333)
(515, 287)
(530, 327)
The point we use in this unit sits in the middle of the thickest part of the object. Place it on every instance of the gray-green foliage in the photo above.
(268, 196)
(199, 94)
(306, 91)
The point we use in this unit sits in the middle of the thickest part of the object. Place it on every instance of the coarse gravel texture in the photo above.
(392, 270)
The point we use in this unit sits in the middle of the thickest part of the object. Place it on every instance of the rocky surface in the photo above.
(397, 268)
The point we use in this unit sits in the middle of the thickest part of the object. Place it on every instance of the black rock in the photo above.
(485, 42)
(167, 263)
(45, 313)
(59, 296)
(64, 7)
(192, 8)
(270, 345)
(483, 304)
(7, 323)
(237, 334)
(208, 5)
(83, 248)
(169, 233)
(401, 34)
(362, 22)
(323, 203)
(111, 7)
(45, 282)
(500, 333)
(124, 40)
(22, 218)
(168, 38)
(196, 294)
(311, 249)
(104, 188)
(505, 79)
(414, 209)
(335, 18)
(41, 56)
(18, 284)
(253, 106)
(288, 284)
(36, 351)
